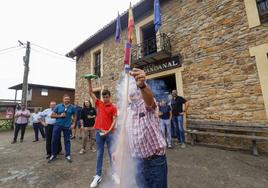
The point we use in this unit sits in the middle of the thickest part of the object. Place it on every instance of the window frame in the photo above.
(43, 91)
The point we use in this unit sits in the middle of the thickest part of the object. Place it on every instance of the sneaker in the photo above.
(93, 150)
(97, 179)
(13, 142)
(183, 145)
(116, 179)
(48, 156)
(82, 151)
(72, 137)
(52, 158)
(68, 158)
(35, 140)
(169, 146)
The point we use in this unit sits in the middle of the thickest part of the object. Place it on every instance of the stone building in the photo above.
(213, 52)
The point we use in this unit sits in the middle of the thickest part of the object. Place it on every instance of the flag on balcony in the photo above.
(118, 30)
(127, 53)
(130, 24)
(157, 15)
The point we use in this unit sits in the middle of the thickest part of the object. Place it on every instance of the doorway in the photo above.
(162, 86)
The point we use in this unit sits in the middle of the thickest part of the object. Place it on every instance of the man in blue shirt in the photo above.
(65, 120)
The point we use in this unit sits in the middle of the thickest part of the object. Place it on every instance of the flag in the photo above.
(157, 15)
(130, 24)
(127, 53)
(118, 29)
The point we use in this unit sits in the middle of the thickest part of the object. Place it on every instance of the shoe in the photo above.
(82, 151)
(72, 137)
(52, 158)
(35, 140)
(170, 147)
(93, 150)
(80, 137)
(48, 156)
(116, 179)
(183, 145)
(68, 158)
(21, 140)
(13, 142)
(97, 179)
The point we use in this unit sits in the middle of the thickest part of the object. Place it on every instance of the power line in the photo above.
(11, 50)
(59, 57)
(5, 49)
(52, 51)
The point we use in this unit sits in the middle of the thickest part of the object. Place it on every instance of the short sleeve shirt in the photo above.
(105, 114)
(86, 112)
(69, 110)
(144, 135)
(177, 105)
(165, 110)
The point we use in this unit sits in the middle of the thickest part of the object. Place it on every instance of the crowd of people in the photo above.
(148, 133)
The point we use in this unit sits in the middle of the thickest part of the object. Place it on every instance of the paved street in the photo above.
(24, 165)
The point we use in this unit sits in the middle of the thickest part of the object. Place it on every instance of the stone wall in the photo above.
(220, 79)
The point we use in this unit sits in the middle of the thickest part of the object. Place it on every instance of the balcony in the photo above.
(151, 50)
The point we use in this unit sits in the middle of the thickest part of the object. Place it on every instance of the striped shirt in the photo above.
(145, 138)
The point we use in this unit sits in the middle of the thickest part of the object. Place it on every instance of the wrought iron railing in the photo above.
(263, 10)
(149, 47)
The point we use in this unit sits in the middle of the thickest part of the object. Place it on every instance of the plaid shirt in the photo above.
(145, 138)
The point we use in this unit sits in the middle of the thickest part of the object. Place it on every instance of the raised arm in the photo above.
(90, 91)
(146, 92)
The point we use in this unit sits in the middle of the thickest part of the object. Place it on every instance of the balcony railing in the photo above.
(263, 10)
(151, 50)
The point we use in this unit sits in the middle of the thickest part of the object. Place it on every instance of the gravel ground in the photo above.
(24, 165)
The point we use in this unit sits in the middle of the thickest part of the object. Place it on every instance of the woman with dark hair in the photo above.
(88, 114)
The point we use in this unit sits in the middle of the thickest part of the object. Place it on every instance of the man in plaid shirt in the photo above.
(146, 142)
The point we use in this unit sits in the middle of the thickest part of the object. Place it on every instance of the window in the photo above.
(44, 92)
(149, 39)
(262, 6)
(97, 63)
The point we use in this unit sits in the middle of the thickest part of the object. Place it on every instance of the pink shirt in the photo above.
(22, 116)
(145, 138)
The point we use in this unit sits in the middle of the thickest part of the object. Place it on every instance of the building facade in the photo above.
(213, 52)
(39, 96)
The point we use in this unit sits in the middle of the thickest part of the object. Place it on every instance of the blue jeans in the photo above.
(56, 139)
(178, 120)
(166, 124)
(151, 173)
(100, 142)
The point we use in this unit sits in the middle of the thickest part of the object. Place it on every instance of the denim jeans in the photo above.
(180, 130)
(49, 131)
(100, 142)
(166, 124)
(151, 173)
(56, 139)
(38, 127)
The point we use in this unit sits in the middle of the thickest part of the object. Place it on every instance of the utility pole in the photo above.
(26, 60)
